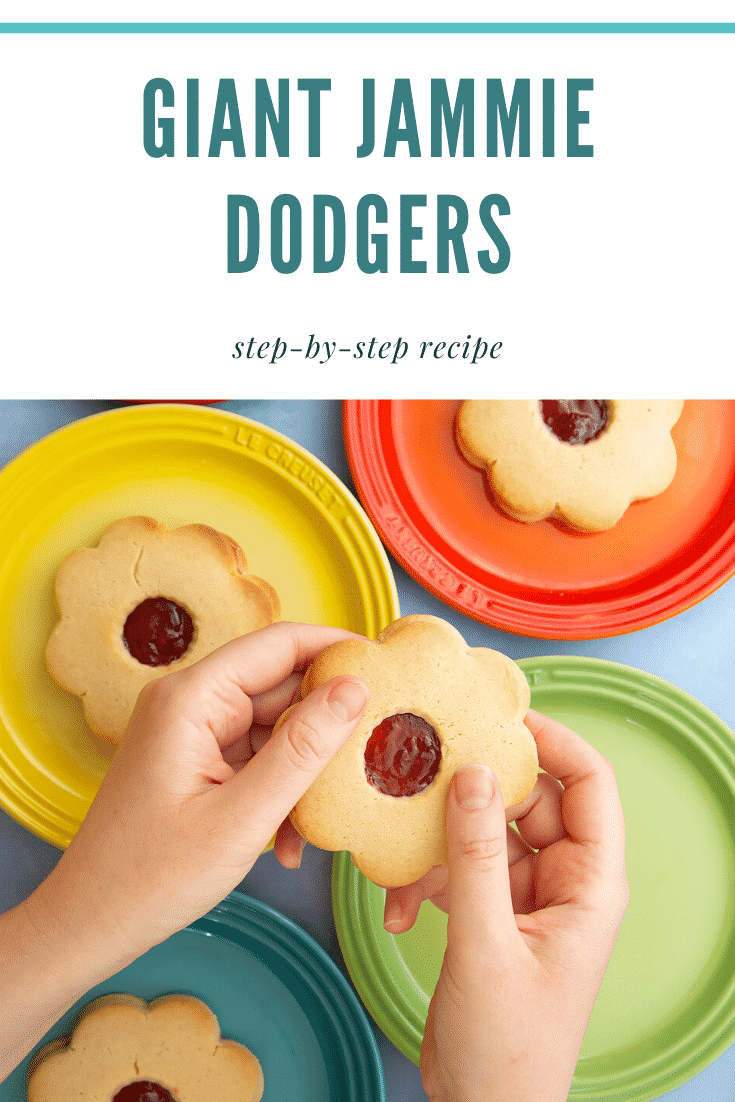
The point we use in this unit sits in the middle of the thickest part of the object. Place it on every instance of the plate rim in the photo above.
(255, 918)
(376, 487)
(655, 695)
(30, 808)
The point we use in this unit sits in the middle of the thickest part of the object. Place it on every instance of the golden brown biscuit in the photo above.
(473, 700)
(173, 1043)
(538, 463)
(168, 596)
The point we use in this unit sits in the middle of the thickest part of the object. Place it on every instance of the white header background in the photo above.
(114, 264)
(281, 11)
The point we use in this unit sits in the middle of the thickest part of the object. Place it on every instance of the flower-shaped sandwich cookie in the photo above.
(435, 703)
(126, 1050)
(581, 460)
(145, 601)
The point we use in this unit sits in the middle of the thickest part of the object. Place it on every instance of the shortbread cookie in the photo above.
(435, 703)
(581, 460)
(145, 601)
(126, 1050)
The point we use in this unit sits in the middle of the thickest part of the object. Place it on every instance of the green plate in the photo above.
(666, 1008)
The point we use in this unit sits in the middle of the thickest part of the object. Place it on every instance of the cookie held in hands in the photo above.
(126, 1050)
(582, 461)
(435, 703)
(145, 601)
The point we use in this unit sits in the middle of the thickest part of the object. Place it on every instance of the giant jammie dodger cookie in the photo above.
(126, 1050)
(581, 460)
(435, 703)
(145, 601)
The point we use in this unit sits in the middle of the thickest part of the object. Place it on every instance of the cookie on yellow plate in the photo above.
(126, 1050)
(435, 703)
(145, 601)
(581, 460)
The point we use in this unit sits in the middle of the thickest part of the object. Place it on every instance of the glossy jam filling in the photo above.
(158, 631)
(144, 1091)
(403, 755)
(576, 420)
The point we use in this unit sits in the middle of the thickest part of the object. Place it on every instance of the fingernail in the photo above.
(393, 914)
(347, 699)
(473, 786)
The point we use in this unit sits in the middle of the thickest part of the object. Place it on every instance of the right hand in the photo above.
(527, 947)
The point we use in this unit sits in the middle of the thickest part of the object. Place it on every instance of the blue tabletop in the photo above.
(694, 650)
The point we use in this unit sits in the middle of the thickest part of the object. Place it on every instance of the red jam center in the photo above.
(158, 631)
(144, 1091)
(575, 420)
(402, 756)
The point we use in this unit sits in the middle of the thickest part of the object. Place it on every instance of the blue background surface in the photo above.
(694, 650)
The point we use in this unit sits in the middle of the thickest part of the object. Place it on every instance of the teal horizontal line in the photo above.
(367, 28)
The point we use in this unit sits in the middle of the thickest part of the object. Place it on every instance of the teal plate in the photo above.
(666, 1008)
(272, 988)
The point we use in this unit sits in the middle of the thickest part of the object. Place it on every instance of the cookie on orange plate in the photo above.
(126, 1050)
(583, 461)
(145, 601)
(435, 703)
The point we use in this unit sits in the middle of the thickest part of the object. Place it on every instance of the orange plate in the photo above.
(436, 515)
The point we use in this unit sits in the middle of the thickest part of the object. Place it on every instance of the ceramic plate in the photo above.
(299, 527)
(666, 1008)
(272, 988)
(435, 514)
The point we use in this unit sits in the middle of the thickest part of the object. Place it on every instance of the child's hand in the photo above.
(516, 990)
(194, 793)
(187, 804)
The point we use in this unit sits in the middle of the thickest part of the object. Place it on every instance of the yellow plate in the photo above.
(299, 526)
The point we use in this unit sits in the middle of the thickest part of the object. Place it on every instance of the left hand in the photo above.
(197, 788)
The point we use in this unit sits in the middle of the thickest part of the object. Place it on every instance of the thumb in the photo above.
(481, 921)
(304, 740)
